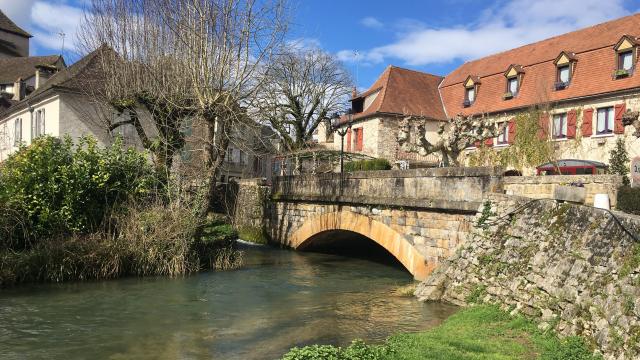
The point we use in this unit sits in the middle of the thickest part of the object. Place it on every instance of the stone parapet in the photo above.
(544, 187)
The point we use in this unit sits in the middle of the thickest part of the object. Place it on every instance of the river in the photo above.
(279, 299)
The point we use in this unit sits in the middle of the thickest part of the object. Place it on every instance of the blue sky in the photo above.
(431, 36)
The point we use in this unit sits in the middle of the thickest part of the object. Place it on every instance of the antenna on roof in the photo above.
(62, 35)
(356, 55)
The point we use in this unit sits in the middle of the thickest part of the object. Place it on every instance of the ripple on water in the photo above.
(278, 300)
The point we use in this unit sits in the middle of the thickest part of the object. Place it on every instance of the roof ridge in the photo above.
(385, 86)
(555, 37)
(11, 26)
(416, 71)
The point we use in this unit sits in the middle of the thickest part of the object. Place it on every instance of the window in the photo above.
(605, 121)
(39, 124)
(229, 157)
(560, 126)
(470, 95)
(358, 141)
(503, 138)
(17, 134)
(625, 60)
(564, 74)
(513, 86)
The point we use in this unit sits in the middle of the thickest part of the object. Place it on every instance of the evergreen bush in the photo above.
(619, 161)
(367, 165)
(629, 200)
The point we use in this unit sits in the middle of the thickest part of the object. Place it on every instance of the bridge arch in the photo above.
(388, 238)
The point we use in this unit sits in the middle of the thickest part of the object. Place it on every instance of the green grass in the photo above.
(475, 333)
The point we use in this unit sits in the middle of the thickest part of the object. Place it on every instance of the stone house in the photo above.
(584, 81)
(376, 112)
(59, 104)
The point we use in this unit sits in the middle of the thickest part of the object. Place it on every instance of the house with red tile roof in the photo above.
(373, 122)
(585, 81)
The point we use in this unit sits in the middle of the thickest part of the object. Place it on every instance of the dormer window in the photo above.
(471, 95)
(565, 65)
(470, 90)
(625, 57)
(514, 78)
(625, 60)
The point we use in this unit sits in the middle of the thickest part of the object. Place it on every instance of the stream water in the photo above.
(279, 299)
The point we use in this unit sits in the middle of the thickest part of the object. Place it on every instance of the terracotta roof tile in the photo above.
(405, 92)
(596, 61)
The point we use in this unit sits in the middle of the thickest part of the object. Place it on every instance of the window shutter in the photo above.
(618, 127)
(348, 139)
(512, 131)
(571, 124)
(360, 138)
(587, 122)
(543, 122)
(489, 142)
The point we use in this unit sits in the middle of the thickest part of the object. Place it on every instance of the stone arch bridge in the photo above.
(419, 216)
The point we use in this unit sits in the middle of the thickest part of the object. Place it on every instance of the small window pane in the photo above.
(626, 60)
(559, 125)
(471, 94)
(564, 74)
(513, 85)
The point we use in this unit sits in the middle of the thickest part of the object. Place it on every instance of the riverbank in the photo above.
(477, 332)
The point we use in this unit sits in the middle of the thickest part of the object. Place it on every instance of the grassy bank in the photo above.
(478, 332)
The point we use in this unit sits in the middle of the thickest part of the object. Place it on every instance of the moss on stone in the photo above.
(253, 234)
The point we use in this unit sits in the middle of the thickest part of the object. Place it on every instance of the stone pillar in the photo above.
(252, 210)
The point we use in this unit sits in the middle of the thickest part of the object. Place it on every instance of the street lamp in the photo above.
(342, 132)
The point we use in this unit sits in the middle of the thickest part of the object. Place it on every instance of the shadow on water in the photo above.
(348, 244)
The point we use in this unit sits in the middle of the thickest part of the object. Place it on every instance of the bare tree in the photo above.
(223, 46)
(453, 136)
(199, 60)
(141, 74)
(303, 88)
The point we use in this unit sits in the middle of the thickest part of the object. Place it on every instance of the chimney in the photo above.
(354, 92)
(19, 89)
(43, 73)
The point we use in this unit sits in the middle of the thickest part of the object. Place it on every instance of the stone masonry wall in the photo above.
(435, 235)
(571, 266)
(541, 187)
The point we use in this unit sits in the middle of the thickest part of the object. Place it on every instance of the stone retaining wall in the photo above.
(571, 266)
(542, 187)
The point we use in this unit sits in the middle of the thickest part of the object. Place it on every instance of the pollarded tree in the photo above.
(453, 136)
(303, 87)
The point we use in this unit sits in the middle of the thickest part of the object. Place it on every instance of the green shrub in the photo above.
(367, 165)
(54, 187)
(358, 350)
(629, 200)
(619, 161)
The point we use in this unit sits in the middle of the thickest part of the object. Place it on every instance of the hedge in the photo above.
(367, 165)
(629, 200)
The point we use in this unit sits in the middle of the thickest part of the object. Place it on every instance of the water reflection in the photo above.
(279, 300)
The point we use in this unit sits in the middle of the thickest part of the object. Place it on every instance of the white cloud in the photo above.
(50, 19)
(304, 44)
(18, 11)
(508, 25)
(371, 22)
